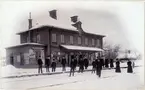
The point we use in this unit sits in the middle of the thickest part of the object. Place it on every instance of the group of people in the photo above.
(47, 64)
(83, 63)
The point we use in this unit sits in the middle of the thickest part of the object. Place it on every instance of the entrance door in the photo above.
(12, 60)
(40, 53)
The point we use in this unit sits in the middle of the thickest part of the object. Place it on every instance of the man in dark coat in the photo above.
(75, 61)
(98, 67)
(118, 70)
(93, 66)
(40, 65)
(47, 63)
(72, 67)
(129, 67)
(86, 63)
(53, 65)
(12, 60)
(106, 63)
(111, 63)
(63, 62)
(81, 65)
(102, 62)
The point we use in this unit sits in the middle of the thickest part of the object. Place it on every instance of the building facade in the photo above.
(53, 41)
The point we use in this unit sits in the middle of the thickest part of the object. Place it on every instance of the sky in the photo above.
(121, 22)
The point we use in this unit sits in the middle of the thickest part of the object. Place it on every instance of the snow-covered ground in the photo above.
(10, 70)
(81, 81)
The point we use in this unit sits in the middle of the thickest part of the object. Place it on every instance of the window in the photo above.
(27, 38)
(34, 38)
(93, 42)
(62, 38)
(38, 38)
(53, 37)
(79, 40)
(86, 41)
(71, 39)
(98, 43)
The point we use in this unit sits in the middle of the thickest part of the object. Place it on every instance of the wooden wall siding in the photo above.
(44, 37)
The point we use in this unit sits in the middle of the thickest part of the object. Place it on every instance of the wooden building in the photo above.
(47, 40)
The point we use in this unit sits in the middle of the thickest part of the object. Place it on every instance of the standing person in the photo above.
(93, 66)
(118, 70)
(98, 67)
(102, 62)
(75, 61)
(86, 63)
(53, 65)
(129, 67)
(40, 65)
(63, 62)
(81, 65)
(72, 67)
(12, 60)
(111, 63)
(106, 63)
(47, 63)
(133, 64)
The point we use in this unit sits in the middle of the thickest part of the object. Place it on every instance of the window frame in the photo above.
(98, 42)
(62, 38)
(93, 41)
(53, 38)
(38, 39)
(86, 41)
(71, 39)
(79, 42)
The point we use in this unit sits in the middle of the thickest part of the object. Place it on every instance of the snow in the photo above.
(8, 70)
(72, 47)
(49, 25)
(81, 81)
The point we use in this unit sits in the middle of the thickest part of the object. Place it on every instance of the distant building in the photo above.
(47, 40)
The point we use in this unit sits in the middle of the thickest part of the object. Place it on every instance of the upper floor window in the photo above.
(27, 38)
(38, 38)
(53, 37)
(71, 39)
(93, 42)
(86, 41)
(62, 38)
(79, 40)
(98, 43)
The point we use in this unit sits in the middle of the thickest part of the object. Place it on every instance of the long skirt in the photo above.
(129, 69)
(118, 70)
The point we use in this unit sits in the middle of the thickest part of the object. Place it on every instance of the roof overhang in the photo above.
(82, 48)
(57, 27)
(26, 44)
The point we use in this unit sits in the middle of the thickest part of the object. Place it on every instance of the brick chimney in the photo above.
(30, 21)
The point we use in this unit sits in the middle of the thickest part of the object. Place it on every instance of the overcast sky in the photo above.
(121, 22)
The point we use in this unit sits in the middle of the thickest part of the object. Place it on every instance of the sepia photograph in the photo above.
(71, 45)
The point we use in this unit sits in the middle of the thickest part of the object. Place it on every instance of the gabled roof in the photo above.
(58, 27)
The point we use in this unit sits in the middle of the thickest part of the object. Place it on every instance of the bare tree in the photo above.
(111, 51)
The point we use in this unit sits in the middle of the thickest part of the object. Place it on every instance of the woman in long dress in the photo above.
(129, 68)
(118, 70)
